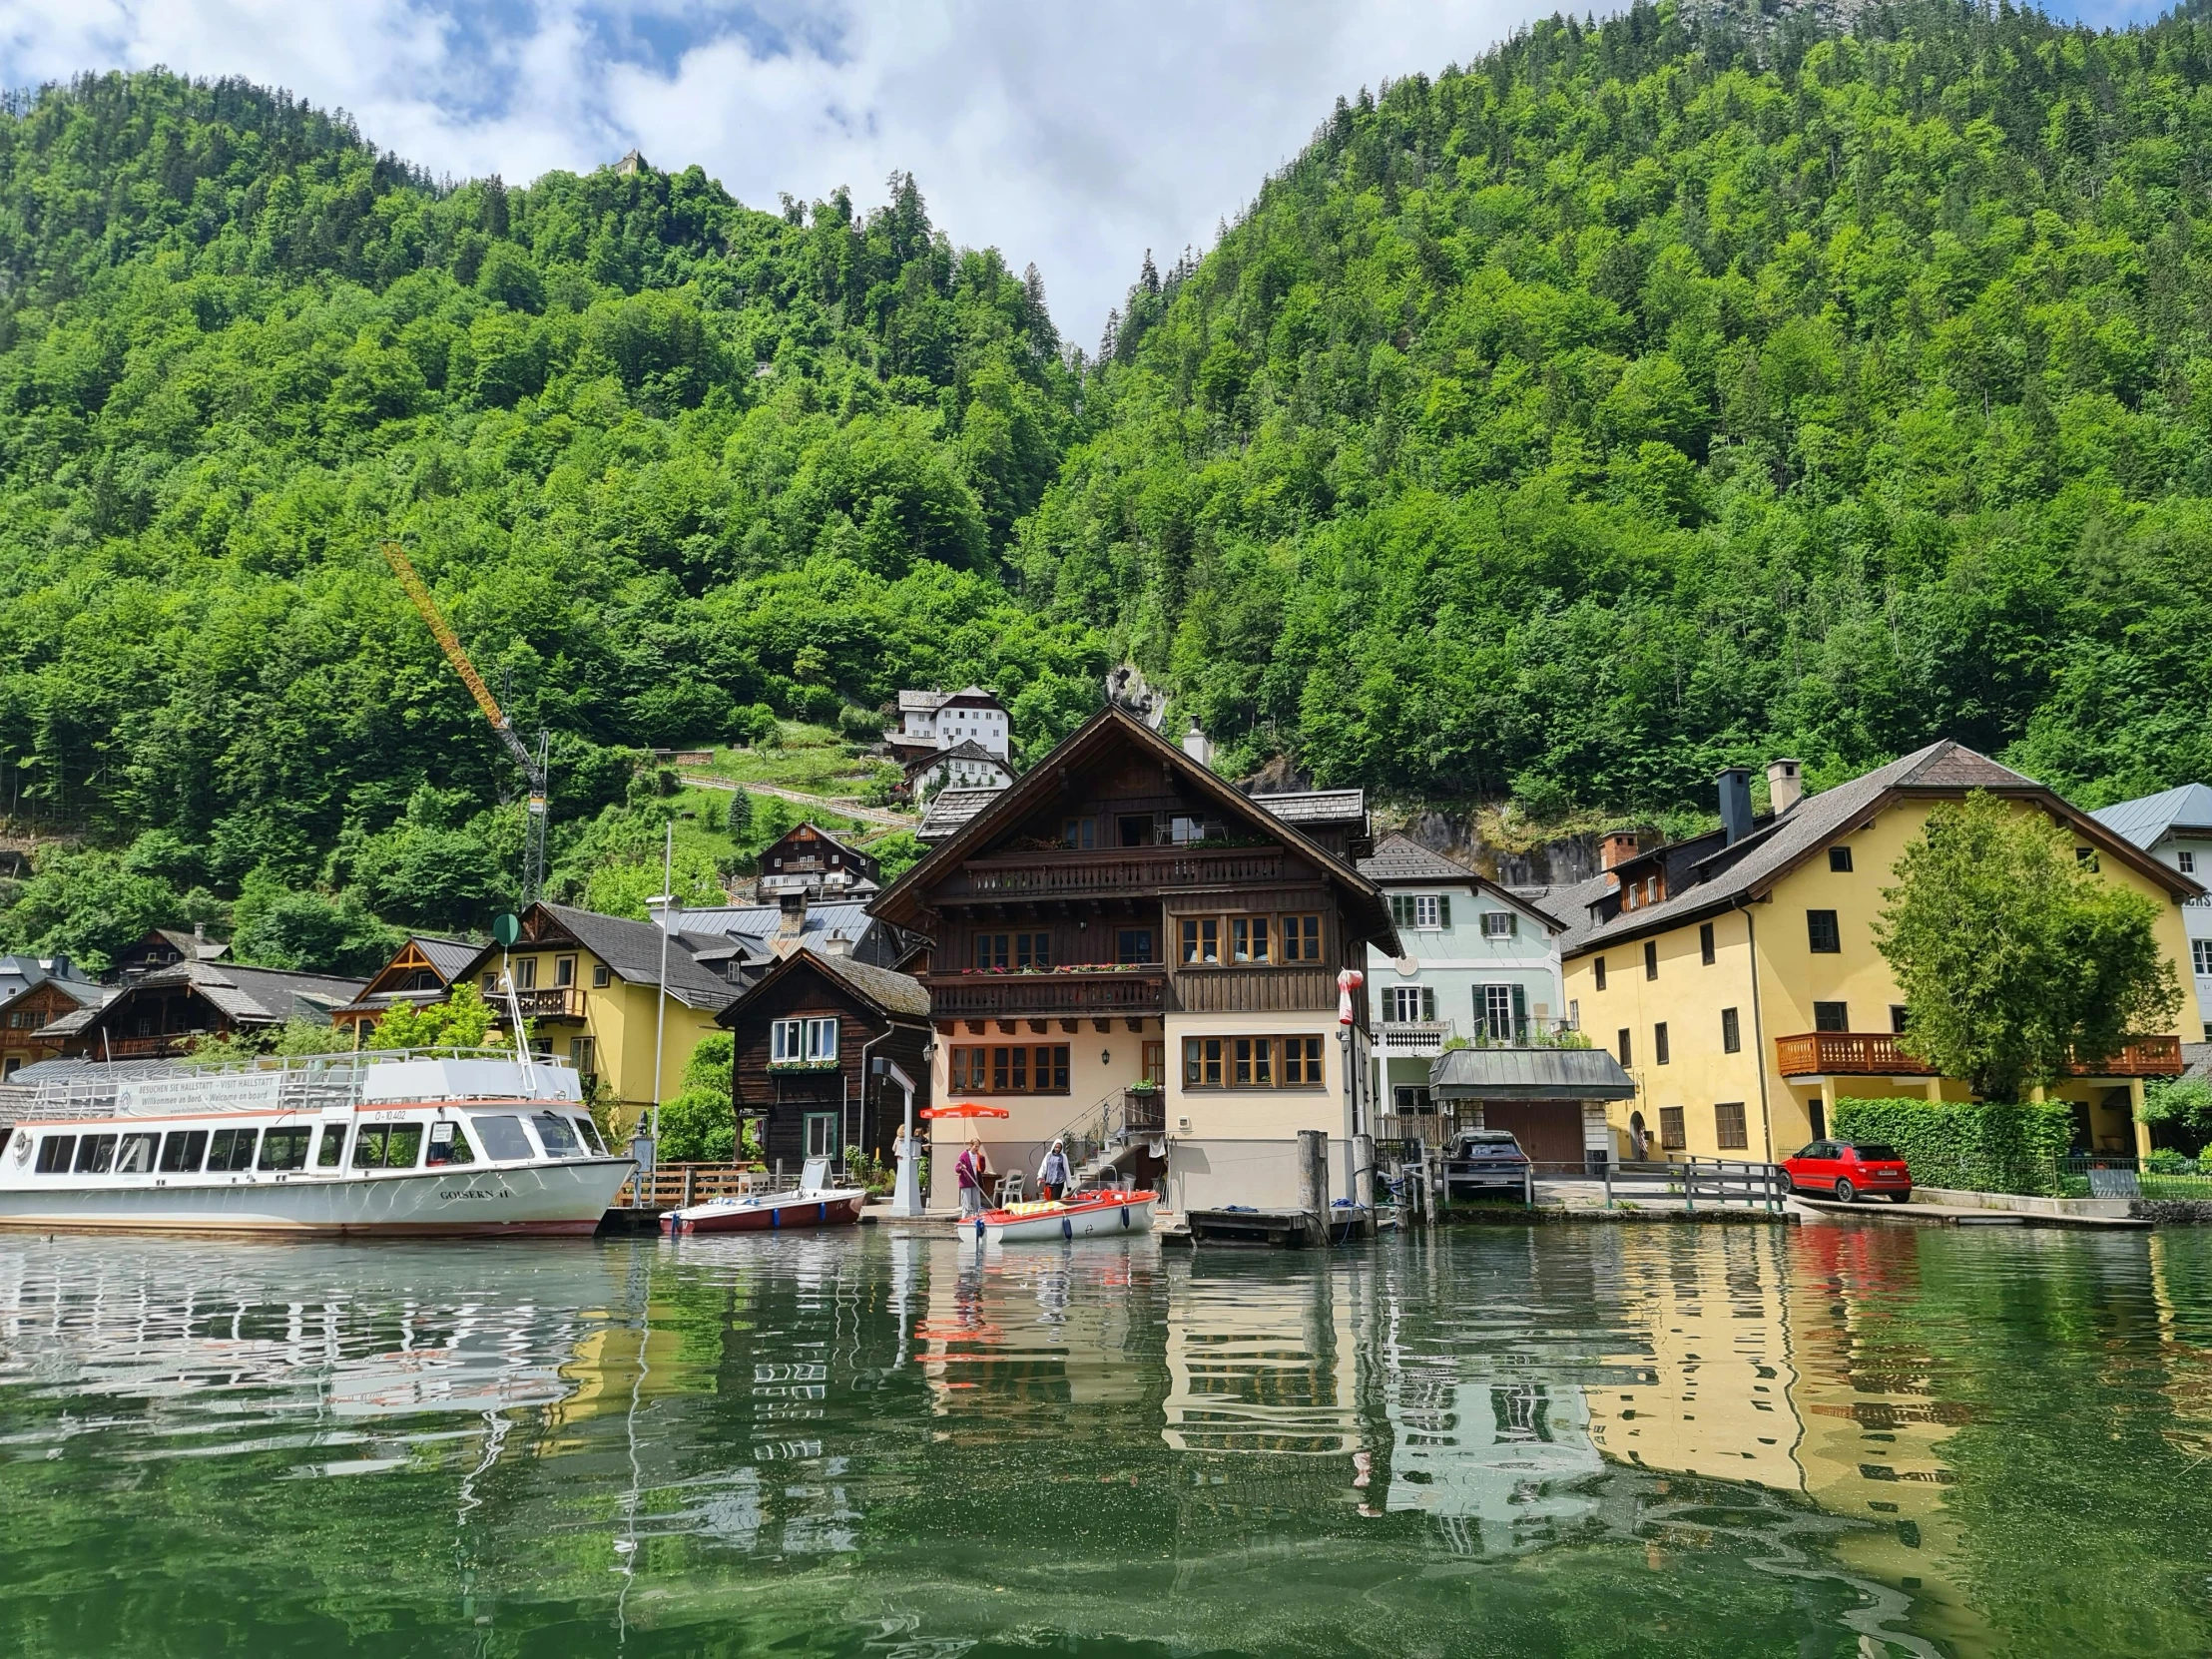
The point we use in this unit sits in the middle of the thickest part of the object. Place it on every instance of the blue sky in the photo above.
(1073, 135)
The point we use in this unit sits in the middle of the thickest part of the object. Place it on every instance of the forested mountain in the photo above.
(1649, 397)
(1642, 397)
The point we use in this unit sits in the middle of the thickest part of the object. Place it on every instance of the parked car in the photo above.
(1485, 1163)
(1848, 1170)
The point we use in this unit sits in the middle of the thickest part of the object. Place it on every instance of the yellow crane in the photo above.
(533, 765)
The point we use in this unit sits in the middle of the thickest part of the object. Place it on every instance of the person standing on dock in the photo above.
(1053, 1175)
(973, 1169)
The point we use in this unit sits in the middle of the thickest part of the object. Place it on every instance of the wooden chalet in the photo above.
(1127, 949)
(421, 972)
(803, 1036)
(36, 991)
(157, 1015)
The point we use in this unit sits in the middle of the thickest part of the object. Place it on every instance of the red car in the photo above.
(1850, 1169)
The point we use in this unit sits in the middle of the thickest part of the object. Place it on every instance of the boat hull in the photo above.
(1113, 1213)
(837, 1207)
(449, 1202)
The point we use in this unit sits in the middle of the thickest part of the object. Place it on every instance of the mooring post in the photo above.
(1313, 1177)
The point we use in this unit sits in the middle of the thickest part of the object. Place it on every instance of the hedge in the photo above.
(1981, 1146)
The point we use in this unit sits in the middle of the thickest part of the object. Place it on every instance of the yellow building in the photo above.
(588, 985)
(1736, 978)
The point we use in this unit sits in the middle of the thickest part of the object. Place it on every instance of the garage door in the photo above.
(1549, 1131)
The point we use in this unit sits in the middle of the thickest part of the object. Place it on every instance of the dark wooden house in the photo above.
(803, 1036)
(1126, 949)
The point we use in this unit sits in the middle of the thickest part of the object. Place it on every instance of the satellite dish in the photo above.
(506, 927)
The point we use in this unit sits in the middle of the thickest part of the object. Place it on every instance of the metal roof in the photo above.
(761, 923)
(2149, 818)
(1528, 1074)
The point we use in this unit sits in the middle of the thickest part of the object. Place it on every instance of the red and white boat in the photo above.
(814, 1203)
(1082, 1216)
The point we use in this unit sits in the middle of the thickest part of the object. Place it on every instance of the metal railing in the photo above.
(1423, 1182)
(1095, 1141)
(2112, 1175)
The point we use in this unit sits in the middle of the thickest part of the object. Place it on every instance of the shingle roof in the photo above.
(2147, 818)
(921, 701)
(1728, 873)
(633, 950)
(896, 993)
(967, 748)
(247, 994)
(1400, 859)
(1528, 1074)
(950, 810)
(1316, 805)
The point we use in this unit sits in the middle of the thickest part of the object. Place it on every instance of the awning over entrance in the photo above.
(1505, 1074)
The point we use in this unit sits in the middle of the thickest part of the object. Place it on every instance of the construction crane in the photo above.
(533, 765)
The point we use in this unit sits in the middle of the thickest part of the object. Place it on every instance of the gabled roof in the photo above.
(896, 995)
(21, 975)
(1111, 726)
(1399, 860)
(757, 924)
(190, 946)
(450, 957)
(967, 748)
(631, 948)
(244, 995)
(2149, 818)
(919, 701)
(1726, 875)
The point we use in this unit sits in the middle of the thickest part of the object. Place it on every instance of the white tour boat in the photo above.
(393, 1143)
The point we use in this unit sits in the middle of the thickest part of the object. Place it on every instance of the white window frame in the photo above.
(802, 1038)
(811, 1125)
(822, 1039)
(1409, 1006)
(1427, 910)
(2188, 861)
(1500, 924)
(2201, 949)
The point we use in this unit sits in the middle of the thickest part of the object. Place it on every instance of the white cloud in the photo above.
(1073, 135)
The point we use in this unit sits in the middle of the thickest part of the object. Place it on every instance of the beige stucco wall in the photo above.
(1769, 943)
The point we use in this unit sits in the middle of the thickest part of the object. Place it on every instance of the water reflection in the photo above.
(1837, 1440)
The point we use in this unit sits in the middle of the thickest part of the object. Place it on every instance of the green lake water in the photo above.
(1816, 1441)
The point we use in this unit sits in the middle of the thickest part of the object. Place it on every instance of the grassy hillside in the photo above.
(1643, 398)
(1637, 399)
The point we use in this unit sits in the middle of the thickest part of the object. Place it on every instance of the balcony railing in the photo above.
(554, 1002)
(1135, 869)
(1003, 996)
(1877, 1054)
(1412, 1039)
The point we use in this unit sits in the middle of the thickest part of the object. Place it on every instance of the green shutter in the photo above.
(1444, 910)
(1520, 1013)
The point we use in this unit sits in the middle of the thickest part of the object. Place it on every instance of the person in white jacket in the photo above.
(1053, 1175)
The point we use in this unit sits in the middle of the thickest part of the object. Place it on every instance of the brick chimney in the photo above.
(1784, 785)
(1618, 847)
(790, 926)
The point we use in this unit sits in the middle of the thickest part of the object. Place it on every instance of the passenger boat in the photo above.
(1083, 1216)
(814, 1203)
(461, 1144)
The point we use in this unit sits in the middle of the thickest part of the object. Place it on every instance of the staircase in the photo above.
(1124, 1123)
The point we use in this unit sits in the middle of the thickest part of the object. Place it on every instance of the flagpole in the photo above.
(660, 1017)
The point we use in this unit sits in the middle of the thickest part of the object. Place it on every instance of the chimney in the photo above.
(837, 944)
(791, 928)
(1735, 787)
(199, 932)
(1618, 847)
(1197, 744)
(1783, 785)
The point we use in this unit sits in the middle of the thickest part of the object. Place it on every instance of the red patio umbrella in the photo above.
(965, 1109)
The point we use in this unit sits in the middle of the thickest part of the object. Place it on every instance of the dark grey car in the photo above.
(1484, 1163)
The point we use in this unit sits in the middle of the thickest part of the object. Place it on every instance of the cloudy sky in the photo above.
(1076, 134)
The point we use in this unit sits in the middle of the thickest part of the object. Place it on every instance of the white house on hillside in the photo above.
(2175, 827)
(944, 720)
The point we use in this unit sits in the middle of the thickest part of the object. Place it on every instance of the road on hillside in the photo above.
(828, 803)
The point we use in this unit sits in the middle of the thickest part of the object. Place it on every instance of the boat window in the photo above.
(181, 1150)
(502, 1137)
(231, 1149)
(449, 1145)
(286, 1148)
(329, 1152)
(55, 1153)
(388, 1146)
(95, 1154)
(135, 1155)
(554, 1134)
(590, 1131)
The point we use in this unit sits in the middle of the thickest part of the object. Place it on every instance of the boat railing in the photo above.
(302, 1083)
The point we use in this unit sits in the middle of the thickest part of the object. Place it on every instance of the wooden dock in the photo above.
(1290, 1229)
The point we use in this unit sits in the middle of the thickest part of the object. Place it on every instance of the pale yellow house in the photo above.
(1735, 974)
(589, 986)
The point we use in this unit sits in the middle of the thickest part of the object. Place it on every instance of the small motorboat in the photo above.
(1082, 1216)
(814, 1203)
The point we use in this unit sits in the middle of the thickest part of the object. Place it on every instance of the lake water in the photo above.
(1817, 1441)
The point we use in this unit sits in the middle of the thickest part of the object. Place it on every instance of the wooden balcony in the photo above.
(1135, 871)
(1126, 992)
(1256, 990)
(555, 1002)
(1877, 1054)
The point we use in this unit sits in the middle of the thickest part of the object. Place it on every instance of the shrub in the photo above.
(1981, 1146)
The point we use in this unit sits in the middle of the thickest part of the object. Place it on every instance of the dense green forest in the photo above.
(1642, 397)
